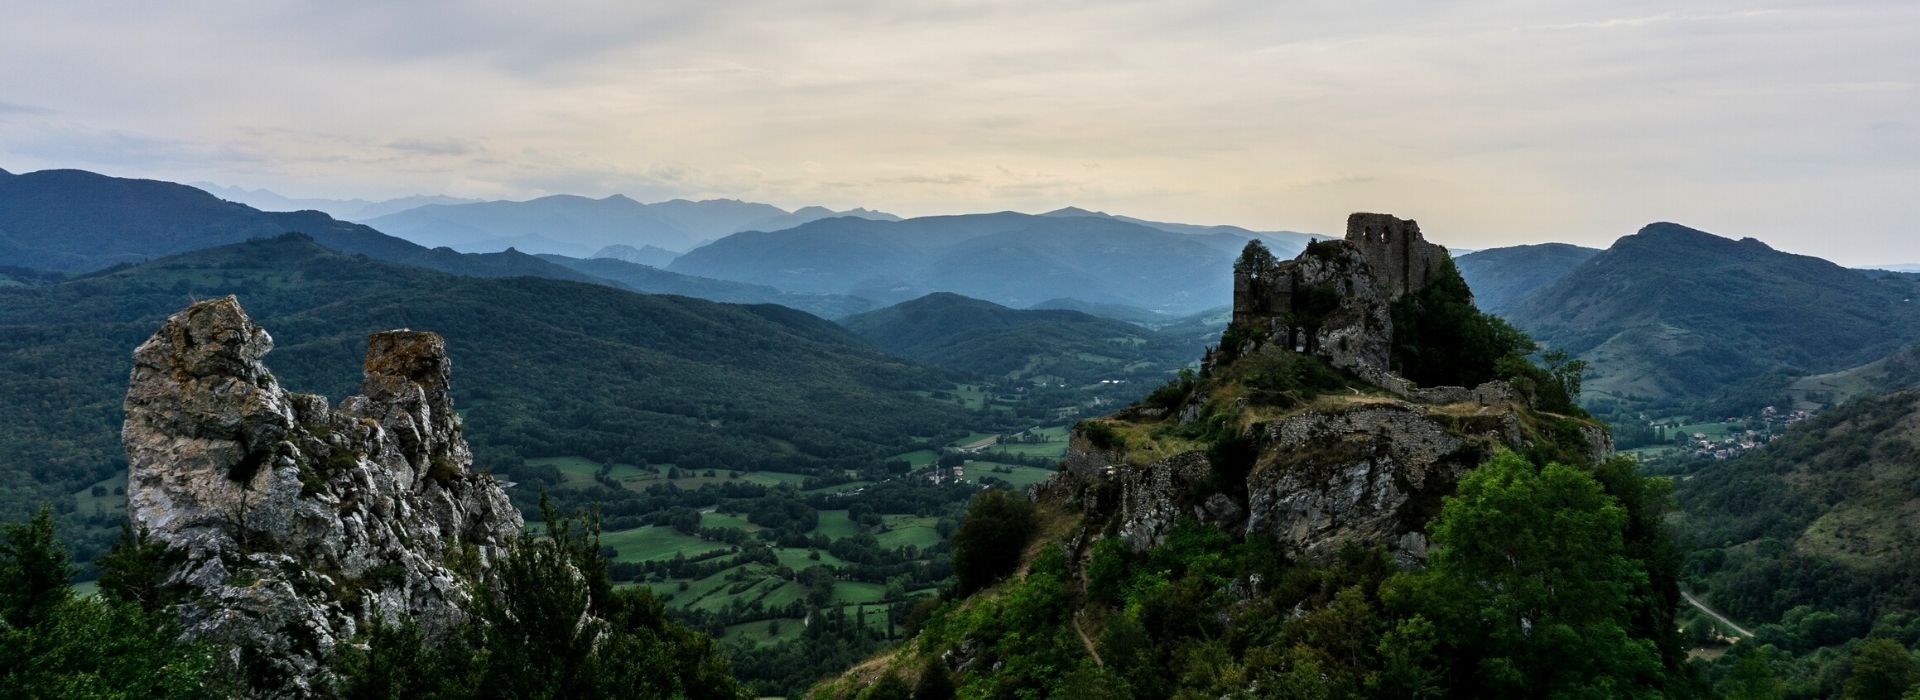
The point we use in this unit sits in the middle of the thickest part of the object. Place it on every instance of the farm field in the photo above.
(1020, 476)
(113, 498)
(657, 542)
(904, 530)
(721, 521)
(578, 472)
(835, 524)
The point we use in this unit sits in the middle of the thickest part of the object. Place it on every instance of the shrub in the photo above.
(1102, 436)
(988, 544)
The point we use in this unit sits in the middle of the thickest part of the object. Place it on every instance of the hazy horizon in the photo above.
(1493, 125)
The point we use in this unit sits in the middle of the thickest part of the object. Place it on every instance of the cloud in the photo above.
(434, 146)
(1494, 122)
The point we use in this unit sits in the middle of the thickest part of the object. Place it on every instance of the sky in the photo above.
(1491, 122)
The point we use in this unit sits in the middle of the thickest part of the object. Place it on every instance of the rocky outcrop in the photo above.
(300, 524)
(1370, 471)
(1336, 299)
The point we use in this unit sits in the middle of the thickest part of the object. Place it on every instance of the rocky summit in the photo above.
(1335, 300)
(1258, 446)
(293, 524)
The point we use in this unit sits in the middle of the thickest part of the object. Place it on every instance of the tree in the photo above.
(34, 572)
(1753, 677)
(1882, 670)
(989, 542)
(53, 644)
(136, 568)
(1530, 586)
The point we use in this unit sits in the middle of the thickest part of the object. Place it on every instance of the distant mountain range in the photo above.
(342, 209)
(581, 226)
(651, 256)
(1012, 259)
(72, 221)
(1673, 313)
(75, 221)
(1284, 244)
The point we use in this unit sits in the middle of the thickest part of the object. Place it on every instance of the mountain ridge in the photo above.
(79, 221)
(576, 225)
(1008, 258)
(1745, 310)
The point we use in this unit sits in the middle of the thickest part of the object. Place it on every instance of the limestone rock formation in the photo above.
(299, 524)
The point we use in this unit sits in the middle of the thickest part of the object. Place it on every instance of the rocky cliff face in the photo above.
(299, 524)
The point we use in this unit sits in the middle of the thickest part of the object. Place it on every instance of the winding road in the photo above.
(1695, 602)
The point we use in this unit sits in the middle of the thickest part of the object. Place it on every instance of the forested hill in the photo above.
(546, 367)
(1502, 277)
(1815, 541)
(77, 221)
(1673, 313)
(982, 337)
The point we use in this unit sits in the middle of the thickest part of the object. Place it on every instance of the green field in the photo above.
(841, 488)
(858, 592)
(725, 521)
(835, 525)
(1045, 450)
(656, 543)
(970, 439)
(1020, 476)
(904, 530)
(801, 559)
(1054, 448)
(1714, 431)
(754, 582)
(578, 473)
(109, 503)
(756, 633)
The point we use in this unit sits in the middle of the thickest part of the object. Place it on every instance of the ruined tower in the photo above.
(1335, 300)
